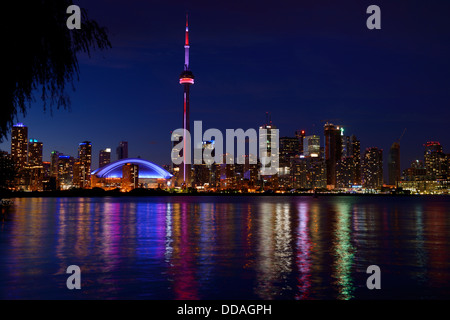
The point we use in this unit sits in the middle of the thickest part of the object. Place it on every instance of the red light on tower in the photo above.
(187, 80)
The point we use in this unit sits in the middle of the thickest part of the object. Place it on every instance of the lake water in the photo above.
(246, 247)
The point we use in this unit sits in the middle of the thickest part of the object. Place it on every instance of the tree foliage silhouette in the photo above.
(40, 55)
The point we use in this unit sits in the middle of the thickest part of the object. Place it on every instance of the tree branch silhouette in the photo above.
(41, 56)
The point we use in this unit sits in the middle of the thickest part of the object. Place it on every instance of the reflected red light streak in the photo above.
(185, 284)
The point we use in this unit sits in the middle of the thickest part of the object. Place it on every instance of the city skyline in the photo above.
(231, 56)
(303, 163)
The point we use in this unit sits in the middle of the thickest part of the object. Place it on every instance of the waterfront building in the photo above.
(333, 151)
(33, 172)
(34, 153)
(54, 159)
(247, 174)
(348, 168)
(269, 143)
(356, 154)
(289, 149)
(345, 172)
(202, 172)
(122, 150)
(435, 160)
(394, 170)
(65, 172)
(311, 146)
(104, 157)
(309, 173)
(373, 168)
(19, 145)
(82, 167)
(225, 173)
(300, 135)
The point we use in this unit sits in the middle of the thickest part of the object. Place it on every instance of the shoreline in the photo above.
(150, 193)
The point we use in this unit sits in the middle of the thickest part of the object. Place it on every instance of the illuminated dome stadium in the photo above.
(147, 169)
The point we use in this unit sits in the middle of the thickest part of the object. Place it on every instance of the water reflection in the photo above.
(421, 256)
(182, 266)
(436, 228)
(304, 250)
(225, 248)
(343, 251)
(266, 272)
(275, 259)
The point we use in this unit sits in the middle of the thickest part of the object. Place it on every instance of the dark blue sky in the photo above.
(303, 61)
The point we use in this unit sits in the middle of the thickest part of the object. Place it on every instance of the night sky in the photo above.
(305, 62)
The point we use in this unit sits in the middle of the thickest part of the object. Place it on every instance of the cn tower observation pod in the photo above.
(186, 77)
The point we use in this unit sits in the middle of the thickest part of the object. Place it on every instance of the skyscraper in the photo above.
(356, 153)
(270, 143)
(54, 158)
(311, 145)
(394, 164)
(373, 168)
(202, 172)
(19, 145)
(348, 168)
(289, 149)
(250, 172)
(65, 172)
(33, 173)
(333, 151)
(226, 173)
(84, 159)
(122, 150)
(34, 153)
(345, 172)
(104, 157)
(435, 161)
(77, 182)
(186, 80)
(416, 172)
(309, 173)
(300, 135)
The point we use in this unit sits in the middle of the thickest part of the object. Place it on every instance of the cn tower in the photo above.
(186, 80)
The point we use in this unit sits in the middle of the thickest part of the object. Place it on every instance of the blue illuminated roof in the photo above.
(147, 169)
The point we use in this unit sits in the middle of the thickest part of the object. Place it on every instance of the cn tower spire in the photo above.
(186, 45)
